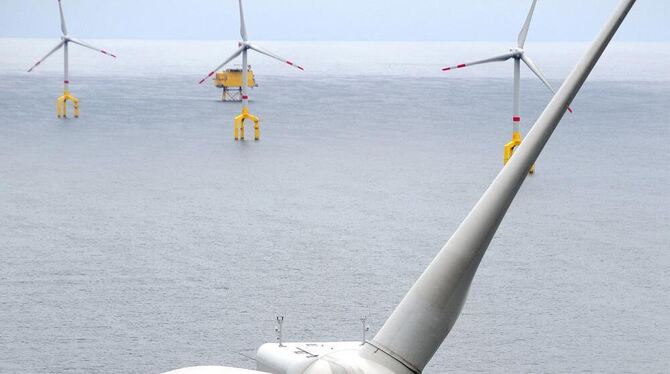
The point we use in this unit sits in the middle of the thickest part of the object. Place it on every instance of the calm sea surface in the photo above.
(141, 237)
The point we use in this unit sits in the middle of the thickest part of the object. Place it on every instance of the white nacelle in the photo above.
(295, 357)
(308, 358)
(323, 358)
(213, 370)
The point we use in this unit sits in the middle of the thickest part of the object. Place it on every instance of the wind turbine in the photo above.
(518, 54)
(61, 104)
(422, 321)
(243, 47)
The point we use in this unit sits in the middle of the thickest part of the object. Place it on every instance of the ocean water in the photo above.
(141, 238)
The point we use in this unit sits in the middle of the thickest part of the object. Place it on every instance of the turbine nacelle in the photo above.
(516, 52)
(244, 44)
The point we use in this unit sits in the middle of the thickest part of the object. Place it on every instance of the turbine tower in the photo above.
(518, 54)
(422, 321)
(244, 47)
(61, 103)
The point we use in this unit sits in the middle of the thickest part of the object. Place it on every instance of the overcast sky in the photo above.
(306, 20)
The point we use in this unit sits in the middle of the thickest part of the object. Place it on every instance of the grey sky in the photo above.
(376, 20)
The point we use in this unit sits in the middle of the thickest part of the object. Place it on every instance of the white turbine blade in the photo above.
(63, 27)
(243, 26)
(524, 30)
(426, 315)
(531, 65)
(83, 44)
(57, 47)
(270, 54)
(229, 59)
(504, 57)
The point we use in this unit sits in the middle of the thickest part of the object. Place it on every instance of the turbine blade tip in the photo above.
(294, 65)
(108, 53)
(446, 69)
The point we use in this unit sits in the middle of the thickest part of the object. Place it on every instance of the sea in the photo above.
(141, 237)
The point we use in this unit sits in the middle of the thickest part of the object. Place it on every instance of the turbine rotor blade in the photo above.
(426, 315)
(504, 57)
(57, 47)
(63, 27)
(531, 65)
(86, 45)
(243, 26)
(524, 30)
(229, 59)
(276, 57)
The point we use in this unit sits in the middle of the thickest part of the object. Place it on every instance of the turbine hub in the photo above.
(517, 52)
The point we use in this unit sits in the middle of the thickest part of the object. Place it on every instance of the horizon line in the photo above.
(333, 40)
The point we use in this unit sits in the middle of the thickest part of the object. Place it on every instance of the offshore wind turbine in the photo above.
(422, 321)
(61, 103)
(518, 54)
(243, 48)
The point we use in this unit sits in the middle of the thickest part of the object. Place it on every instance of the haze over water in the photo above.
(141, 238)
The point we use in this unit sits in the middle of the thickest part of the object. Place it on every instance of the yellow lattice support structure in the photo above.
(61, 105)
(239, 124)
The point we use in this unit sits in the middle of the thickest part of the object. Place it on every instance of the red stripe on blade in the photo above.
(445, 69)
(107, 53)
(516, 119)
(460, 66)
(245, 97)
(208, 75)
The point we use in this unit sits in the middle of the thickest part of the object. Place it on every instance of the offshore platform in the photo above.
(230, 81)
